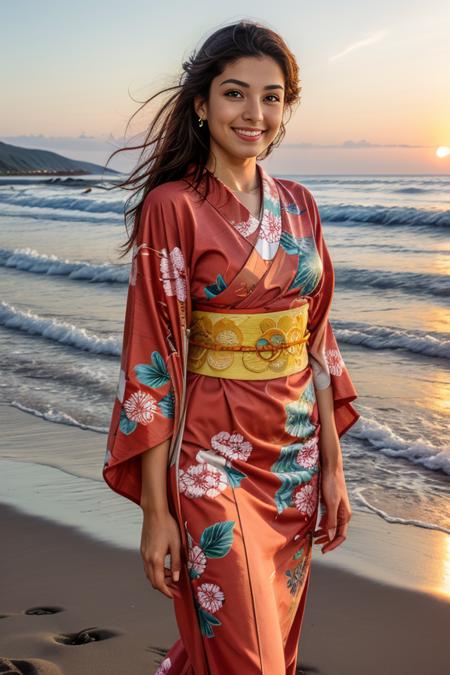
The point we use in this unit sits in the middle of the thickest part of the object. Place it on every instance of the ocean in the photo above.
(63, 295)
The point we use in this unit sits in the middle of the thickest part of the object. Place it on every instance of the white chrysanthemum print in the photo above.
(308, 455)
(232, 446)
(140, 407)
(210, 597)
(196, 560)
(335, 361)
(271, 227)
(164, 666)
(247, 227)
(305, 499)
(173, 273)
(202, 479)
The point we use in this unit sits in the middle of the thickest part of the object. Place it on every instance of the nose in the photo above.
(253, 110)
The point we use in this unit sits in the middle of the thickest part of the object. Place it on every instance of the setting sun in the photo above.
(442, 151)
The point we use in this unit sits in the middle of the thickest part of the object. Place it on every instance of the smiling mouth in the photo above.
(248, 134)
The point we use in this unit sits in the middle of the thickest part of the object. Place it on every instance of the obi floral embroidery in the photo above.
(215, 542)
(224, 331)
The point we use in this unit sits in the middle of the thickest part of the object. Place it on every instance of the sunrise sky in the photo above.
(375, 76)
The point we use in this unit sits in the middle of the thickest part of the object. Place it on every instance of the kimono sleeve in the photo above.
(147, 400)
(325, 358)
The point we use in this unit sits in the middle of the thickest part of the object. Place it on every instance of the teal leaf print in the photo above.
(207, 620)
(167, 405)
(214, 289)
(289, 243)
(234, 475)
(299, 553)
(126, 426)
(154, 375)
(294, 209)
(298, 422)
(216, 540)
(310, 266)
(290, 481)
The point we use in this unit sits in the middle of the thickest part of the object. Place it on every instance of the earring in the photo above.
(200, 122)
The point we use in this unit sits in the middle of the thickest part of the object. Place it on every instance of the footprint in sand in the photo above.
(85, 636)
(36, 611)
(304, 670)
(44, 610)
(28, 667)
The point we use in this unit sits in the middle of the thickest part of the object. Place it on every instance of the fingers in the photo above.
(154, 570)
(332, 532)
(175, 562)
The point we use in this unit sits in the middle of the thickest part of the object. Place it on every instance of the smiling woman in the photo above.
(232, 393)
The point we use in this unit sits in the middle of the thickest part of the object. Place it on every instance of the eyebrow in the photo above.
(245, 84)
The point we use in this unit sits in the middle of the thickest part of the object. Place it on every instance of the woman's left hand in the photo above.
(337, 513)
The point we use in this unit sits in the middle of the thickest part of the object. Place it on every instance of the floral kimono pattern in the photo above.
(243, 472)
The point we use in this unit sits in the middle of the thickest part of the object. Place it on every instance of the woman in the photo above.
(232, 393)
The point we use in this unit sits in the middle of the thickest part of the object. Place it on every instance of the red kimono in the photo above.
(243, 473)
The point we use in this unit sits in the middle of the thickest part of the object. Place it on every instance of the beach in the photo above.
(379, 603)
(354, 624)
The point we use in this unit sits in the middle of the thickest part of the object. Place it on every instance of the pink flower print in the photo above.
(334, 360)
(196, 561)
(164, 666)
(210, 597)
(305, 499)
(271, 227)
(271, 192)
(173, 271)
(140, 407)
(308, 455)
(202, 479)
(232, 446)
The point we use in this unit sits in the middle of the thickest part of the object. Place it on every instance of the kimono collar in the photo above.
(223, 199)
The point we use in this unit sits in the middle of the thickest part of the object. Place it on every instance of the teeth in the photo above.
(248, 133)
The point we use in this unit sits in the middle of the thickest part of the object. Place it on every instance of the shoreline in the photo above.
(33, 481)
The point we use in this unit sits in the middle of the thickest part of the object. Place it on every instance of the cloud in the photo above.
(369, 40)
(81, 142)
(351, 145)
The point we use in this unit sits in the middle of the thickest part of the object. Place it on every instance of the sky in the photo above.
(375, 77)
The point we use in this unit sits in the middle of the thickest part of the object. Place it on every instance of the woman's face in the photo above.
(245, 107)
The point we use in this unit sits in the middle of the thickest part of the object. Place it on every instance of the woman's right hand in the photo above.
(160, 536)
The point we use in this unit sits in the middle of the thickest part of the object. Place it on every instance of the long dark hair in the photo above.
(174, 140)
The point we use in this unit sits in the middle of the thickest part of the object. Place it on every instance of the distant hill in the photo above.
(17, 161)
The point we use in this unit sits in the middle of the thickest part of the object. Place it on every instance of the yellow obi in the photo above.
(258, 346)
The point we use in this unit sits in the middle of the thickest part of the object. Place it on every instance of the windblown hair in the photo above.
(174, 140)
